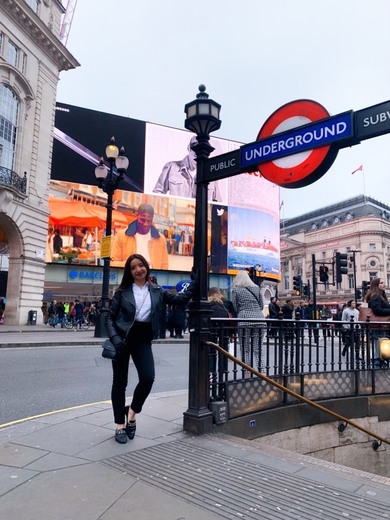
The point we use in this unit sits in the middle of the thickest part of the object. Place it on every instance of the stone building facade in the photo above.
(359, 226)
(31, 58)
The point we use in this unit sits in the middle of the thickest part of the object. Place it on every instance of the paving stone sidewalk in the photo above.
(67, 466)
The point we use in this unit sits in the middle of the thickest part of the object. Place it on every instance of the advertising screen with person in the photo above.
(154, 206)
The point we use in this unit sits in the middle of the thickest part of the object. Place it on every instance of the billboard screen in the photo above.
(154, 206)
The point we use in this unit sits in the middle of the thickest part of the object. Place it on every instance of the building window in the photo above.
(34, 4)
(351, 284)
(373, 274)
(372, 247)
(286, 278)
(12, 54)
(9, 108)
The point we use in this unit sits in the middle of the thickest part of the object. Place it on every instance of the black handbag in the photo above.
(109, 350)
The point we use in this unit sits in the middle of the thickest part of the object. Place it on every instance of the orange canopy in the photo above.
(64, 212)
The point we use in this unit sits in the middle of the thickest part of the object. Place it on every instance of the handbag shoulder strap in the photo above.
(253, 294)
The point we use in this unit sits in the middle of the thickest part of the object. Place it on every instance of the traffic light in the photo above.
(324, 276)
(297, 285)
(365, 287)
(306, 290)
(358, 294)
(341, 266)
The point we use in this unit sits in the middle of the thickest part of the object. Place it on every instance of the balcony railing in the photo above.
(10, 179)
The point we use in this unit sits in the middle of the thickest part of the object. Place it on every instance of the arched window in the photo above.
(9, 109)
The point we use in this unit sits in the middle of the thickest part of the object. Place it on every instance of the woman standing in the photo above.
(378, 303)
(248, 303)
(132, 322)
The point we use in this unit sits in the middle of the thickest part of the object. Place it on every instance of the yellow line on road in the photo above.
(18, 421)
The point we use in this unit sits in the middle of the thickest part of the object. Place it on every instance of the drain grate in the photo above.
(236, 488)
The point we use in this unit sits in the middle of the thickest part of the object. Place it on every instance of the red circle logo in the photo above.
(303, 168)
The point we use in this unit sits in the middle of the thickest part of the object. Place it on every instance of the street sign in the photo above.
(299, 142)
(301, 139)
(105, 248)
(222, 166)
(372, 121)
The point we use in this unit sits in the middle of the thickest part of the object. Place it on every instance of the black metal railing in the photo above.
(317, 358)
(344, 420)
(9, 178)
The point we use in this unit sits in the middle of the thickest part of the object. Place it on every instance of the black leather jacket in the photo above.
(121, 314)
(379, 306)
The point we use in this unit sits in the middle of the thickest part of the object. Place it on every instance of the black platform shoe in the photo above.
(130, 426)
(121, 435)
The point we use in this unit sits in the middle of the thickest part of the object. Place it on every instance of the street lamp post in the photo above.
(202, 117)
(108, 180)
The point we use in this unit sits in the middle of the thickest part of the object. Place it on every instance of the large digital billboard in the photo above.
(154, 207)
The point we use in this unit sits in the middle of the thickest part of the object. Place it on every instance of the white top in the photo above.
(143, 245)
(143, 303)
(346, 316)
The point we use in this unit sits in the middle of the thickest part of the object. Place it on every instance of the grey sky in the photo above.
(145, 60)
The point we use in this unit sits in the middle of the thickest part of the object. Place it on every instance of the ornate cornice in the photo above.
(33, 26)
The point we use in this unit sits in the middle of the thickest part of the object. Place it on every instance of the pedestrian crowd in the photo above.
(58, 313)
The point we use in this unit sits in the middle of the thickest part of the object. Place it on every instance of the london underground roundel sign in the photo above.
(303, 168)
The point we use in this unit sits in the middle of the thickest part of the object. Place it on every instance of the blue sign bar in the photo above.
(313, 135)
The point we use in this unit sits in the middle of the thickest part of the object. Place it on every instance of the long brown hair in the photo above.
(127, 279)
(374, 290)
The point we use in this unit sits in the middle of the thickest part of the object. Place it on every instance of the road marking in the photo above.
(18, 421)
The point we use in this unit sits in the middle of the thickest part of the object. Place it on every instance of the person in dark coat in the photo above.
(178, 320)
(288, 310)
(380, 306)
(57, 242)
(219, 310)
(273, 311)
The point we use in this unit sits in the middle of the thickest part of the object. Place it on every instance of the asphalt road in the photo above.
(43, 379)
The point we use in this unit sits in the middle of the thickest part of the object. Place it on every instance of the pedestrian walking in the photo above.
(350, 314)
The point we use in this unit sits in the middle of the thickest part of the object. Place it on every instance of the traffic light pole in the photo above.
(354, 277)
(314, 283)
(354, 251)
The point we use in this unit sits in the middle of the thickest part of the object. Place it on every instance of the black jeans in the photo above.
(139, 347)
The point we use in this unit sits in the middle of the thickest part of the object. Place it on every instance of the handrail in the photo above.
(292, 393)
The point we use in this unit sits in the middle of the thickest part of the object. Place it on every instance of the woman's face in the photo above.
(381, 285)
(138, 270)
